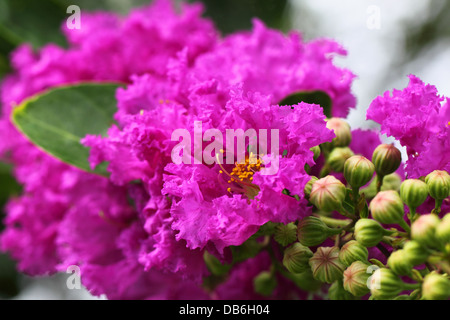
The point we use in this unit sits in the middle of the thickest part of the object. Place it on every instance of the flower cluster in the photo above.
(220, 227)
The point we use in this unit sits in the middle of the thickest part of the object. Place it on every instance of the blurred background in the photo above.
(386, 40)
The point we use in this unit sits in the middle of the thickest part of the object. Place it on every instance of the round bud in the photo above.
(285, 234)
(312, 231)
(306, 281)
(341, 130)
(353, 251)
(438, 183)
(385, 284)
(325, 264)
(391, 182)
(435, 287)
(423, 230)
(316, 151)
(399, 264)
(368, 232)
(387, 207)
(443, 229)
(355, 279)
(413, 192)
(308, 186)
(327, 194)
(386, 159)
(337, 292)
(296, 258)
(264, 283)
(358, 171)
(415, 253)
(337, 158)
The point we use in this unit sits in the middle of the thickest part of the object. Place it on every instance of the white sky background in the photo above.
(371, 51)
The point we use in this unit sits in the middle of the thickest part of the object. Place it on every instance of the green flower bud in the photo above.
(285, 234)
(385, 284)
(355, 279)
(358, 171)
(353, 251)
(413, 192)
(337, 158)
(391, 182)
(312, 231)
(296, 258)
(415, 253)
(438, 183)
(327, 194)
(387, 207)
(214, 265)
(316, 151)
(386, 159)
(308, 186)
(341, 130)
(325, 264)
(443, 229)
(423, 230)
(306, 281)
(399, 264)
(264, 283)
(435, 287)
(337, 292)
(369, 232)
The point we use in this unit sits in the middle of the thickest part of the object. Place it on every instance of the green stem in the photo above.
(437, 206)
(405, 226)
(355, 192)
(412, 214)
(379, 182)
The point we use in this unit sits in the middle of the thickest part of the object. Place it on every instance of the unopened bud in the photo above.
(316, 151)
(386, 159)
(413, 192)
(415, 253)
(285, 234)
(355, 279)
(308, 186)
(337, 158)
(341, 130)
(443, 229)
(312, 231)
(358, 171)
(391, 182)
(337, 292)
(438, 183)
(423, 230)
(328, 194)
(385, 284)
(296, 258)
(306, 281)
(369, 232)
(399, 264)
(353, 251)
(325, 264)
(435, 287)
(264, 283)
(387, 207)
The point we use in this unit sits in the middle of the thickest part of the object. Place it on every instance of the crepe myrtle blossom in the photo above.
(418, 117)
(42, 231)
(224, 204)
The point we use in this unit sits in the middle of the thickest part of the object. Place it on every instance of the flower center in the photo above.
(241, 177)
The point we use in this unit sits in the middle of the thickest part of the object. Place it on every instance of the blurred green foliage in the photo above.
(232, 15)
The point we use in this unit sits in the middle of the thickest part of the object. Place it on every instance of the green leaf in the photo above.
(313, 97)
(35, 22)
(57, 120)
